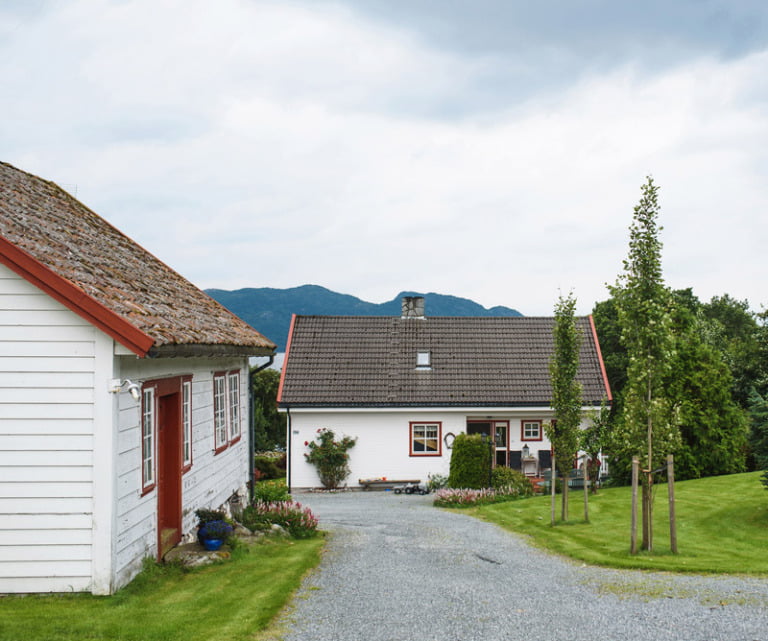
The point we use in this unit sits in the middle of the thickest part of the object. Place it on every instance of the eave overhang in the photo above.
(74, 298)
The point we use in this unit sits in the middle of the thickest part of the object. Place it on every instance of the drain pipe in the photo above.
(288, 465)
(252, 422)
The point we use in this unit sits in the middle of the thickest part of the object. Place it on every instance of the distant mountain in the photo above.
(269, 310)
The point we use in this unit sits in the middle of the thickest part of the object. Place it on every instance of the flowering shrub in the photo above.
(449, 497)
(330, 457)
(297, 520)
(216, 530)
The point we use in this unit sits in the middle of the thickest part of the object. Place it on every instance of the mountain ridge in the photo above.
(269, 309)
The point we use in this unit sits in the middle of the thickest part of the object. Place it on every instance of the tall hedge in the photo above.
(470, 463)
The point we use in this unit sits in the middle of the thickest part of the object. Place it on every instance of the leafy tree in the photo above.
(698, 385)
(758, 410)
(713, 428)
(563, 432)
(594, 440)
(644, 312)
(731, 328)
(269, 424)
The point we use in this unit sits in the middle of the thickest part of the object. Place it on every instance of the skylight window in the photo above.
(423, 360)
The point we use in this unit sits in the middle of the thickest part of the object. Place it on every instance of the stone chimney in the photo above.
(413, 307)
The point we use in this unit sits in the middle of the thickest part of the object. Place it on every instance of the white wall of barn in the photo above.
(50, 359)
(212, 478)
(383, 439)
(72, 514)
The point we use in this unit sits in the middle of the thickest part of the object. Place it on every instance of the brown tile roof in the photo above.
(69, 250)
(371, 361)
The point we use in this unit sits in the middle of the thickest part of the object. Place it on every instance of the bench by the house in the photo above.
(385, 483)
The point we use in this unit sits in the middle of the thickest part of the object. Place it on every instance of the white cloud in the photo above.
(270, 144)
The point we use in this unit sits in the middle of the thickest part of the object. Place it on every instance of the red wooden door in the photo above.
(168, 472)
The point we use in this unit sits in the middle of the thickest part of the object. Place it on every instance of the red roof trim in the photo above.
(74, 298)
(285, 360)
(600, 358)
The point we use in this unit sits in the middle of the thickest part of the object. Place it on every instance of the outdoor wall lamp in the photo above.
(116, 385)
(526, 451)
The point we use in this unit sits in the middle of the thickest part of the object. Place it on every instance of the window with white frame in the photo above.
(531, 431)
(425, 439)
(227, 420)
(186, 422)
(148, 425)
(220, 411)
(234, 405)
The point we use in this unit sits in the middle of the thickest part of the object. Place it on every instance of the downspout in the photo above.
(252, 422)
(288, 465)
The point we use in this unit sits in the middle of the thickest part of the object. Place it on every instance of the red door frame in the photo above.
(169, 463)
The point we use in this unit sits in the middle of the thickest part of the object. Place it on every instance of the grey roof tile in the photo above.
(371, 361)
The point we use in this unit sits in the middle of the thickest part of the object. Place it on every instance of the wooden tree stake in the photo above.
(672, 515)
(633, 528)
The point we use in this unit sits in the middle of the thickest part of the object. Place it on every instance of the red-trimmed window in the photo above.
(186, 423)
(220, 411)
(227, 419)
(531, 431)
(234, 405)
(148, 431)
(426, 439)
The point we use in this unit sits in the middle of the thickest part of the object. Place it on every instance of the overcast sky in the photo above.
(489, 149)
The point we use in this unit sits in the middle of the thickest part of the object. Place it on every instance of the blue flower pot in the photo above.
(212, 544)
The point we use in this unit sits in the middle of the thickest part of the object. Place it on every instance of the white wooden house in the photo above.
(406, 386)
(123, 397)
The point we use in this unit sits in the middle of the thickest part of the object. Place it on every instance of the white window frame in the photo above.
(186, 423)
(233, 395)
(148, 435)
(423, 426)
(526, 433)
(220, 428)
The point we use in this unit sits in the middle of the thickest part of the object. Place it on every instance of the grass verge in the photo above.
(234, 600)
(722, 526)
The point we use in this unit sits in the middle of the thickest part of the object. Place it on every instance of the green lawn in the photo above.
(229, 601)
(722, 526)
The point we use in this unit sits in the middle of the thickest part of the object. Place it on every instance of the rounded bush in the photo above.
(470, 462)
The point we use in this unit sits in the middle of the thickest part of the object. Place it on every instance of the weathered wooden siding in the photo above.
(47, 372)
(211, 480)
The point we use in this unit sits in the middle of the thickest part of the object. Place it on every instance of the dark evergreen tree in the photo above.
(269, 424)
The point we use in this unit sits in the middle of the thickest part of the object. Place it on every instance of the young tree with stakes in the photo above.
(563, 432)
(644, 312)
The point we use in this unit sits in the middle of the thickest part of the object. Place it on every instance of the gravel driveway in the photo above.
(397, 569)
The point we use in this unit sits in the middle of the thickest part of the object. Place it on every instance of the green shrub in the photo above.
(255, 518)
(266, 467)
(511, 481)
(270, 491)
(436, 482)
(470, 462)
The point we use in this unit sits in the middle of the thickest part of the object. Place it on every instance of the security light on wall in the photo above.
(134, 390)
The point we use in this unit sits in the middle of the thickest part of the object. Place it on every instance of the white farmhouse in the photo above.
(123, 397)
(406, 386)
